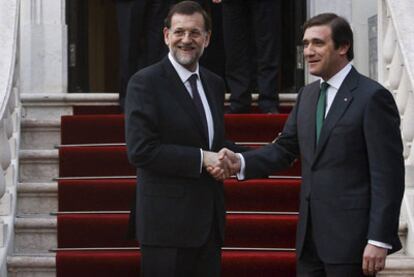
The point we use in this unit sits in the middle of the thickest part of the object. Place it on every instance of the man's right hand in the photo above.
(233, 160)
(216, 1)
(373, 260)
(216, 166)
(229, 164)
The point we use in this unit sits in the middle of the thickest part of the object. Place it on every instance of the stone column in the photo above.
(43, 46)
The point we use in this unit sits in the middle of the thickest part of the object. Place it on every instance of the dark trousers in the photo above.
(259, 20)
(309, 263)
(204, 261)
(140, 24)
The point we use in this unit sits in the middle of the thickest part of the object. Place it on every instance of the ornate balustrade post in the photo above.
(9, 124)
(396, 72)
(5, 154)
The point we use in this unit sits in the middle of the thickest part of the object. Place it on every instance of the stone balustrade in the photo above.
(396, 72)
(9, 124)
(396, 69)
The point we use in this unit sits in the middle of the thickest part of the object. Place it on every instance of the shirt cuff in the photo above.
(380, 244)
(240, 174)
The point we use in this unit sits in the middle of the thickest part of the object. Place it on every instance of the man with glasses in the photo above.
(174, 118)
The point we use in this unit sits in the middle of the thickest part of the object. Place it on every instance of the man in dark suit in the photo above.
(141, 44)
(174, 118)
(345, 129)
(252, 43)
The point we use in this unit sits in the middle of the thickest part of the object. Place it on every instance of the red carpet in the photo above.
(242, 230)
(84, 129)
(256, 208)
(94, 161)
(89, 109)
(125, 263)
(82, 161)
(276, 195)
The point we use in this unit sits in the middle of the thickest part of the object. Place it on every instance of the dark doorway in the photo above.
(93, 48)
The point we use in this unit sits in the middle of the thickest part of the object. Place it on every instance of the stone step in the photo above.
(398, 265)
(42, 198)
(43, 130)
(44, 265)
(38, 165)
(37, 198)
(40, 134)
(32, 265)
(38, 233)
(46, 106)
(35, 234)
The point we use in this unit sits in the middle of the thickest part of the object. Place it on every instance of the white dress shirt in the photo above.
(334, 84)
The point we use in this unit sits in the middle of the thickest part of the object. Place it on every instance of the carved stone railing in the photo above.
(9, 124)
(396, 72)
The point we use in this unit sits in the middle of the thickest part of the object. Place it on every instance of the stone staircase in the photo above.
(41, 65)
(35, 225)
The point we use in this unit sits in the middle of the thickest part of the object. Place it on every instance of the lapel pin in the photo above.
(345, 99)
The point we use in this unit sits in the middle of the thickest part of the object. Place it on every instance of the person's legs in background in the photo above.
(236, 42)
(266, 25)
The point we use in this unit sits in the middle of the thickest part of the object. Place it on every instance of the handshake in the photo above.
(221, 165)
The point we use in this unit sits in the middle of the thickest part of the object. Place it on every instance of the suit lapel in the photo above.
(208, 90)
(180, 94)
(341, 102)
(310, 126)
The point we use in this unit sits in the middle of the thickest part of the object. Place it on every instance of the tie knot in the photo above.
(193, 79)
(324, 86)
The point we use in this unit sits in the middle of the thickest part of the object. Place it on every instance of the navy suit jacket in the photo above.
(175, 202)
(353, 180)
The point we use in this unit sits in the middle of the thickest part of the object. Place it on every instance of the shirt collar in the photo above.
(183, 72)
(337, 80)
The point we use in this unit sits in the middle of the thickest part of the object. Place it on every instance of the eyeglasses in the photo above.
(194, 34)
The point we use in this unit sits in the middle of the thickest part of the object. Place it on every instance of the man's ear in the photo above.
(343, 49)
(207, 42)
(166, 33)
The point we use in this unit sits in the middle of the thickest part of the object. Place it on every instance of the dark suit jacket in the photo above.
(353, 181)
(175, 203)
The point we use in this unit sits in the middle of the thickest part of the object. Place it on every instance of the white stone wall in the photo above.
(43, 46)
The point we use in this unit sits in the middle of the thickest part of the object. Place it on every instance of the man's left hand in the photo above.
(373, 260)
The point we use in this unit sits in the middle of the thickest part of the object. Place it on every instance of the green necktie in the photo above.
(320, 109)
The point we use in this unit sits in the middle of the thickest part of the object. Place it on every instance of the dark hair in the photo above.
(341, 30)
(188, 8)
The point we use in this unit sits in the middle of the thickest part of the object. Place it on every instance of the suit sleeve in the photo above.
(386, 165)
(144, 145)
(278, 155)
(236, 147)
